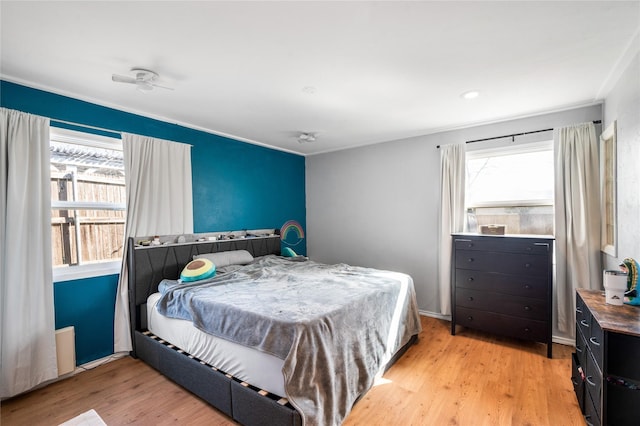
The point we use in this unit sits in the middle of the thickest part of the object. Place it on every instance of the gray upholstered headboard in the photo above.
(149, 265)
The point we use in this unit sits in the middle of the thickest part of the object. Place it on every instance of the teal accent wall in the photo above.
(88, 306)
(236, 185)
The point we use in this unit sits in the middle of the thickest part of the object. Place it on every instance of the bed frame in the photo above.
(246, 404)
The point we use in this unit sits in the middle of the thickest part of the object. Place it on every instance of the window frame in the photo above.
(527, 148)
(507, 150)
(94, 269)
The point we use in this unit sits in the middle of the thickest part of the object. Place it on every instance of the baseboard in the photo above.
(96, 363)
(561, 340)
(434, 315)
(80, 369)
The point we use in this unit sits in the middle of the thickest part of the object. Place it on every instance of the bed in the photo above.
(306, 369)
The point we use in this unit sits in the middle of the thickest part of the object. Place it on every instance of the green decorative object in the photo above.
(631, 267)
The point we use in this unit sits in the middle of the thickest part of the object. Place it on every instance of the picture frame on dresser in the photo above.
(503, 284)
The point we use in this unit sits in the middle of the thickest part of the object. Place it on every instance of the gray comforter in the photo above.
(335, 326)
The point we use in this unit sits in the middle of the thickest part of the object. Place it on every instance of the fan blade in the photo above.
(162, 87)
(143, 87)
(123, 79)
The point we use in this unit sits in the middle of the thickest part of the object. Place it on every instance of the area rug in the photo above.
(88, 418)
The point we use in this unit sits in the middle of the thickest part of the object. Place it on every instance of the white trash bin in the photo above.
(615, 284)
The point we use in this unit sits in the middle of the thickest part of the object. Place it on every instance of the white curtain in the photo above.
(27, 322)
(577, 217)
(159, 202)
(452, 189)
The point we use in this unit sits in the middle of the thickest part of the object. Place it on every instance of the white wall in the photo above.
(377, 206)
(623, 105)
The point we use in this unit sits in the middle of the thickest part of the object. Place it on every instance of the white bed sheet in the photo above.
(252, 366)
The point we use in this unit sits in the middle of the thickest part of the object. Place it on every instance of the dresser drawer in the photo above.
(596, 341)
(507, 263)
(500, 303)
(581, 311)
(593, 383)
(584, 325)
(591, 331)
(591, 415)
(517, 285)
(502, 244)
(577, 378)
(521, 328)
(581, 347)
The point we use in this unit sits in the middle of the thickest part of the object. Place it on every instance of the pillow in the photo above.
(198, 269)
(227, 269)
(288, 252)
(226, 258)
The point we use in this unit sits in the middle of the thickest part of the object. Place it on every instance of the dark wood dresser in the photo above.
(606, 364)
(503, 284)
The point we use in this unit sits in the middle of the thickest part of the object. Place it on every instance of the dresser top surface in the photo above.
(620, 319)
(507, 236)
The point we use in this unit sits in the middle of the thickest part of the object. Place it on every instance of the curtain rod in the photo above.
(513, 135)
(86, 126)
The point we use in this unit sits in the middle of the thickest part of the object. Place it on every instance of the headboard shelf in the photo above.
(205, 241)
(205, 237)
(149, 265)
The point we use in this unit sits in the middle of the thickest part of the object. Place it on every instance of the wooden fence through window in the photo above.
(101, 231)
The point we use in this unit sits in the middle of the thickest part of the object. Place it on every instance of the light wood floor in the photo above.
(468, 379)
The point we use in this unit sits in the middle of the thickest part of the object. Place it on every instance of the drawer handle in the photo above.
(470, 298)
(527, 265)
(584, 323)
(527, 286)
(574, 381)
(527, 308)
(470, 318)
(470, 245)
(470, 259)
(586, 419)
(527, 329)
(578, 349)
(594, 341)
(470, 279)
(591, 382)
(578, 310)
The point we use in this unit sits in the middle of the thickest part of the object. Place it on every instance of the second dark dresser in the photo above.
(503, 285)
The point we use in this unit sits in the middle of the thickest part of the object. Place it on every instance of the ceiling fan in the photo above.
(145, 80)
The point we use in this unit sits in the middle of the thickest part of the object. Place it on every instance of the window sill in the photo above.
(70, 273)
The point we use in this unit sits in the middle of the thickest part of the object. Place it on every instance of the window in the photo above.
(88, 204)
(511, 186)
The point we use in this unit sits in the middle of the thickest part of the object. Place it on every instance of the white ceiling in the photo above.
(354, 73)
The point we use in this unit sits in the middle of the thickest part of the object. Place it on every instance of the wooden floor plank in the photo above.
(472, 378)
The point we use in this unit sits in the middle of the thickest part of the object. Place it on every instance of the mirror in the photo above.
(608, 190)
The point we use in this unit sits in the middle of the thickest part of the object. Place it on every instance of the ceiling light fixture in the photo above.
(306, 137)
(471, 94)
(145, 80)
